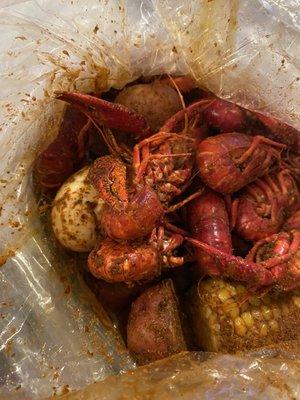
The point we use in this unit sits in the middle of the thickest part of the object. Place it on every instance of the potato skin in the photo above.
(154, 101)
(154, 328)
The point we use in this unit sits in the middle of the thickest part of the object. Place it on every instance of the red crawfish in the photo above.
(165, 161)
(77, 133)
(135, 198)
(229, 117)
(261, 207)
(208, 222)
(66, 153)
(135, 261)
(273, 261)
(130, 211)
(281, 255)
(229, 161)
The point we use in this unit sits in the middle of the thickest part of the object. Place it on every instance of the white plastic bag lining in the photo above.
(243, 50)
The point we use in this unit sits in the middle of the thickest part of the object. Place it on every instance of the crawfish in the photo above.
(208, 222)
(135, 261)
(130, 211)
(273, 261)
(281, 255)
(260, 209)
(227, 117)
(165, 160)
(162, 163)
(229, 161)
(66, 153)
(135, 204)
(77, 133)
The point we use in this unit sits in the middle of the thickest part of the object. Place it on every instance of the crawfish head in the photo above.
(229, 161)
(165, 160)
(264, 204)
(130, 211)
(135, 261)
(280, 254)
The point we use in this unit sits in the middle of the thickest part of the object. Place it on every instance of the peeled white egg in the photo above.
(76, 213)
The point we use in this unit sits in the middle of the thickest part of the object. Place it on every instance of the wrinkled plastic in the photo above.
(54, 337)
(271, 374)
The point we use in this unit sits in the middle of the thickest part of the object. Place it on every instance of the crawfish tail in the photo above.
(108, 176)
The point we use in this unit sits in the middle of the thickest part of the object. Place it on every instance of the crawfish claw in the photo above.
(112, 115)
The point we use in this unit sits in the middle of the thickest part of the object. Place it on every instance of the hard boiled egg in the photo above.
(76, 213)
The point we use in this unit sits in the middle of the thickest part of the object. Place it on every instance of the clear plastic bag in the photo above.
(54, 336)
(270, 374)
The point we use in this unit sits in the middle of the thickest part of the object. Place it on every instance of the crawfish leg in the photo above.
(167, 245)
(236, 267)
(141, 151)
(234, 213)
(257, 140)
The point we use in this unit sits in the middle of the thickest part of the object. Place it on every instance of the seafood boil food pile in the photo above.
(187, 208)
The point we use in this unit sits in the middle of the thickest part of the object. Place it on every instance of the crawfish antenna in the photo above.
(182, 102)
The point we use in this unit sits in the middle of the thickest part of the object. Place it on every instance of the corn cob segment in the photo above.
(223, 321)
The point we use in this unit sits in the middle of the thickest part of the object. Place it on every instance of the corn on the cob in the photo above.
(224, 321)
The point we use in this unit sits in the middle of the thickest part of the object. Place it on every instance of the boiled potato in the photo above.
(156, 102)
(76, 213)
(154, 329)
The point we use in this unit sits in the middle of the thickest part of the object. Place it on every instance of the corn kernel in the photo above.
(296, 300)
(220, 283)
(232, 290)
(273, 325)
(224, 295)
(264, 330)
(229, 302)
(248, 319)
(240, 289)
(240, 327)
(228, 305)
(207, 312)
(244, 306)
(256, 314)
(254, 301)
(267, 313)
(284, 309)
(276, 312)
(234, 311)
